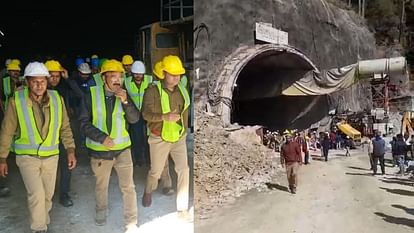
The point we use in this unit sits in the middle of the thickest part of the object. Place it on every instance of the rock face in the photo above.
(329, 36)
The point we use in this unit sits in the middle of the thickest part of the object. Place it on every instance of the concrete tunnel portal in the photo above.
(257, 85)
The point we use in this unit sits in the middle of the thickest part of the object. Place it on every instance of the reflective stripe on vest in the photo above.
(172, 131)
(98, 79)
(30, 141)
(6, 90)
(136, 94)
(118, 133)
(184, 80)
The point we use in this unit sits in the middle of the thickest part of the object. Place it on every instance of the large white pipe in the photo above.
(385, 65)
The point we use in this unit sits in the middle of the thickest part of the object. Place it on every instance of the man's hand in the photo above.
(171, 116)
(65, 73)
(122, 94)
(4, 171)
(71, 160)
(108, 142)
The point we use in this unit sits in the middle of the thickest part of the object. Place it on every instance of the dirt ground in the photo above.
(340, 195)
(80, 217)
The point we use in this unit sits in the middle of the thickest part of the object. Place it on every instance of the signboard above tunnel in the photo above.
(265, 32)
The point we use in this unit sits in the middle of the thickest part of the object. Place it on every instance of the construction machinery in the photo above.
(350, 131)
(407, 124)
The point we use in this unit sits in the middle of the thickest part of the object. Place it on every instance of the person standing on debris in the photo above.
(64, 87)
(401, 149)
(104, 116)
(325, 144)
(378, 152)
(291, 158)
(165, 109)
(35, 121)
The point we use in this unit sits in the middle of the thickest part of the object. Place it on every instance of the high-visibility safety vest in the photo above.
(184, 80)
(137, 94)
(118, 132)
(98, 79)
(30, 141)
(6, 90)
(172, 131)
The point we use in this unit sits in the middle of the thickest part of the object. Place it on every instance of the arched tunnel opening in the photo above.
(257, 95)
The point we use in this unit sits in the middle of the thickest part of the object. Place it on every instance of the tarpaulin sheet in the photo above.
(325, 82)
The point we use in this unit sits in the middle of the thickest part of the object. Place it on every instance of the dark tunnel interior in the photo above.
(257, 98)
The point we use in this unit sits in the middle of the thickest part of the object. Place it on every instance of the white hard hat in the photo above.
(84, 68)
(8, 61)
(138, 67)
(35, 69)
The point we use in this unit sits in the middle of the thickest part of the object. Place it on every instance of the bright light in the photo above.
(1, 33)
(168, 223)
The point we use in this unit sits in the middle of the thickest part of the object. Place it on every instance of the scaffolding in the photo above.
(176, 12)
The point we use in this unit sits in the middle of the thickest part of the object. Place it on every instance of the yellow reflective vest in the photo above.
(118, 133)
(172, 131)
(30, 141)
(137, 94)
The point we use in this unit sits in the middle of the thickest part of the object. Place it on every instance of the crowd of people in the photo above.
(117, 112)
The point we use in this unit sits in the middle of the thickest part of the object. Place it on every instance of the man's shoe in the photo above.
(168, 191)
(4, 191)
(185, 216)
(100, 218)
(147, 199)
(293, 191)
(131, 228)
(66, 201)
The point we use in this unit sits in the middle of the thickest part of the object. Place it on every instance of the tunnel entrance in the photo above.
(257, 85)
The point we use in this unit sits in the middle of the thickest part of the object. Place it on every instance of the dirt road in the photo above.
(340, 196)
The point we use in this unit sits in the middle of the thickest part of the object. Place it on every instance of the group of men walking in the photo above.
(36, 128)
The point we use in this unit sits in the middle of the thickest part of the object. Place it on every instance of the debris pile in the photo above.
(228, 162)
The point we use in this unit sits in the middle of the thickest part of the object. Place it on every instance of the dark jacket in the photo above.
(401, 148)
(69, 90)
(378, 147)
(90, 131)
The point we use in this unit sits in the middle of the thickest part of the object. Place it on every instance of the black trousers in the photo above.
(382, 163)
(306, 157)
(139, 139)
(65, 173)
(325, 152)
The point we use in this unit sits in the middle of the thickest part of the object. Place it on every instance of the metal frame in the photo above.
(173, 6)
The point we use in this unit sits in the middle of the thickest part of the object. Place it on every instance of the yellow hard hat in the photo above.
(127, 60)
(112, 65)
(94, 56)
(17, 61)
(158, 70)
(13, 66)
(173, 65)
(53, 65)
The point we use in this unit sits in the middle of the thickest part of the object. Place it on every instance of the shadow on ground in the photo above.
(396, 220)
(399, 191)
(407, 210)
(358, 174)
(272, 186)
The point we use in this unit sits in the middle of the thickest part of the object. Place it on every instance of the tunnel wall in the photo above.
(329, 36)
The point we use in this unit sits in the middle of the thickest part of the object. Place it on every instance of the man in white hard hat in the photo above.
(136, 86)
(35, 121)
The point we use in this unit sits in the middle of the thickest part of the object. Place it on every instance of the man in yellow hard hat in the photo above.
(165, 109)
(10, 83)
(35, 122)
(60, 82)
(127, 61)
(104, 118)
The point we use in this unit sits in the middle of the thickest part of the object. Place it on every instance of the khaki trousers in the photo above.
(159, 151)
(124, 169)
(166, 181)
(292, 174)
(39, 177)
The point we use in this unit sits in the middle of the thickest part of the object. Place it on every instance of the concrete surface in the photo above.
(340, 195)
(80, 217)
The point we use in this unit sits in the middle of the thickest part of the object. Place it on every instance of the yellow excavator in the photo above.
(350, 131)
(407, 123)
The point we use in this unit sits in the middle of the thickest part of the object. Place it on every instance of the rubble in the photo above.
(228, 163)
